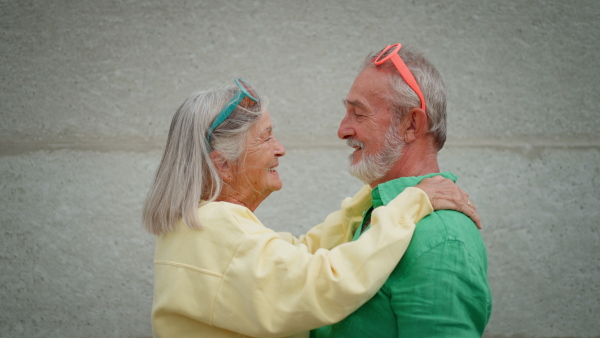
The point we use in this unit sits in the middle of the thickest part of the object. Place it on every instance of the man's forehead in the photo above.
(370, 84)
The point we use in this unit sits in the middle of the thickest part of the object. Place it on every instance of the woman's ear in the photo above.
(222, 165)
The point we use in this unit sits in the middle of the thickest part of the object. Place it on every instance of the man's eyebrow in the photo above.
(352, 103)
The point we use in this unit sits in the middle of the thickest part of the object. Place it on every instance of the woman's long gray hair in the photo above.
(186, 175)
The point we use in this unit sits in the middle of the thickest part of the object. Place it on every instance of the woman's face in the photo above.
(255, 177)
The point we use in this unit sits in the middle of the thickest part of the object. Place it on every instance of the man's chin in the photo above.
(356, 170)
(355, 159)
(365, 171)
(354, 165)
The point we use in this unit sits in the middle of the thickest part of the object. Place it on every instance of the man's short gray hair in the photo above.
(404, 98)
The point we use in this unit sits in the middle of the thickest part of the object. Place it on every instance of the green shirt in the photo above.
(439, 288)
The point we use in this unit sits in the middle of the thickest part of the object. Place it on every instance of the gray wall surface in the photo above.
(89, 87)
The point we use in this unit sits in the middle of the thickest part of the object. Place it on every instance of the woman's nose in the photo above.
(279, 149)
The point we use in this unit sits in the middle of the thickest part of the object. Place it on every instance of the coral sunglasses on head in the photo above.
(391, 53)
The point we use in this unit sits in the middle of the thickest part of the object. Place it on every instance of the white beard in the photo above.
(373, 167)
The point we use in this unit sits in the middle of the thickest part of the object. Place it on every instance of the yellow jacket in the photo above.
(237, 278)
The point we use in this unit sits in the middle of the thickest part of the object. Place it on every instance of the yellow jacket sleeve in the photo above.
(238, 276)
(338, 227)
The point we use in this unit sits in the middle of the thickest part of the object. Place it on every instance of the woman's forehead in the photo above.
(264, 123)
(263, 126)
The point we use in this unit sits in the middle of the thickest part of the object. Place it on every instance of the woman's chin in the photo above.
(277, 186)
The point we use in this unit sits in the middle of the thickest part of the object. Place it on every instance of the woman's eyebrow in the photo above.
(268, 130)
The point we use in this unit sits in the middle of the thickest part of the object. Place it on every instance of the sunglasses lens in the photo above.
(249, 91)
(383, 54)
(250, 98)
(386, 53)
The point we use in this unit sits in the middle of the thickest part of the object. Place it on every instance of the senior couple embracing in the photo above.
(403, 257)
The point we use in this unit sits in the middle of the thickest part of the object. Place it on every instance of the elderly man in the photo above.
(396, 120)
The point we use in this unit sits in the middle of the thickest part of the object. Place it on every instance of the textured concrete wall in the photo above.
(89, 87)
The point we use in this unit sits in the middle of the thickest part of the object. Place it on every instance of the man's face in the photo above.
(368, 127)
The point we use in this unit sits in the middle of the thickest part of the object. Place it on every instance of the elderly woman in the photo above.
(219, 272)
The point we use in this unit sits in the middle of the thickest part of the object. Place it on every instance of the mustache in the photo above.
(354, 143)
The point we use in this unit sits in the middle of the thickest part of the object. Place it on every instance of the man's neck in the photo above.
(411, 163)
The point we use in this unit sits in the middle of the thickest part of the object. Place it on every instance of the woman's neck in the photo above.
(248, 200)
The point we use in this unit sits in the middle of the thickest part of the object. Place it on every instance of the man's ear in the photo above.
(414, 125)
(222, 164)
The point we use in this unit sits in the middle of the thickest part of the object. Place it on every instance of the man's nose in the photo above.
(345, 130)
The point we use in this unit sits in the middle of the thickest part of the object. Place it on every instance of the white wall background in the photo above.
(88, 89)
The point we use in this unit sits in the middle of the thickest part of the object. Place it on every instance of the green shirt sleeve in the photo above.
(439, 293)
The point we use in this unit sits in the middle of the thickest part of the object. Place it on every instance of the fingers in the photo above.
(471, 211)
(445, 194)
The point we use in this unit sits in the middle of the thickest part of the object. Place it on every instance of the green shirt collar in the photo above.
(385, 192)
